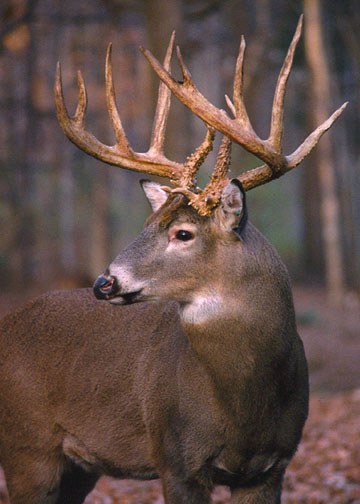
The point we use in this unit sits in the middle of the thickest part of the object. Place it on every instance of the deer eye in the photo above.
(184, 235)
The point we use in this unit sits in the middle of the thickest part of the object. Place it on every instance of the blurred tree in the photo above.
(320, 96)
(162, 17)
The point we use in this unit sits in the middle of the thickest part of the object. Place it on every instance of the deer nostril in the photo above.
(105, 286)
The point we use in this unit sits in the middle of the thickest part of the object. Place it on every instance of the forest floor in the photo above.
(326, 468)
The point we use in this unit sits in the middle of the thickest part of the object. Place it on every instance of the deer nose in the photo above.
(105, 287)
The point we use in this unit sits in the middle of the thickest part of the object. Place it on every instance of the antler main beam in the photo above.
(239, 128)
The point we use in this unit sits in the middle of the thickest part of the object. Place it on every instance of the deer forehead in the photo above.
(174, 208)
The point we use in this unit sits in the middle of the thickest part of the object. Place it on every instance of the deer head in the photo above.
(218, 208)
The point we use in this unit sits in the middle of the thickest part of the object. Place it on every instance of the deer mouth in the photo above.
(126, 298)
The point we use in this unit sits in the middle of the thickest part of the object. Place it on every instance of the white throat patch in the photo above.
(202, 309)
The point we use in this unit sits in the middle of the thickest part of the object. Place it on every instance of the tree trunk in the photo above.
(320, 100)
(163, 16)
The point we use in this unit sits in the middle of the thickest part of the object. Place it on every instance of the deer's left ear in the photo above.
(154, 193)
(232, 212)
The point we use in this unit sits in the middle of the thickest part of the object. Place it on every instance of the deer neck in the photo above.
(216, 330)
(230, 331)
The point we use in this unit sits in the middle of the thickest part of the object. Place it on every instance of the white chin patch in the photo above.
(202, 309)
(117, 301)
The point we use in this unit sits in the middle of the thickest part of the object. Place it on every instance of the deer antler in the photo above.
(240, 129)
(121, 154)
(153, 162)
(205, 200)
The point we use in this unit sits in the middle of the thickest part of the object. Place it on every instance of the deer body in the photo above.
(207, 388)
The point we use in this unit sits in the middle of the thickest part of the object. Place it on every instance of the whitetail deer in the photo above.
(206, 384)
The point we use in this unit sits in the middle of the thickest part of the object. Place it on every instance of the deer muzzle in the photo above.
(105, 287)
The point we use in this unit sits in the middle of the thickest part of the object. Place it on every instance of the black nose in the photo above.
(105, 287)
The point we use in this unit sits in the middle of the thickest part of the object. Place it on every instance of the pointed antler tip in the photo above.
(148, 55)
(108, 67)
(58, 84)
(58, 74)
(299, 25)
(337, 112)
(340, 110)
(170, 46)
(179, 56)
(185, 71)
(300, 22)
(80, 78)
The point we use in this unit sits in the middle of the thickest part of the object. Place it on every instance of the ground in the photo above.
(326, 468)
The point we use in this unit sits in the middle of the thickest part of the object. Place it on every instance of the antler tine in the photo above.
(61, 111)
(204, 201)
(310, 142)
(184, 69)
(263, 174)
(80, 111)
(163, 106)
(195, 160)
(186, 178)
(240, 110)
(276, 129)
(121, 154)
(121, 138)
(73, 127)
(218, 179)
(223, 159)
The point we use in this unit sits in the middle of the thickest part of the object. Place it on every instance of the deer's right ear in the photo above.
(154, 193)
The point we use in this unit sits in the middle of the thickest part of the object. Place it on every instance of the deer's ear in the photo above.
(154, 193)
(232, 212)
